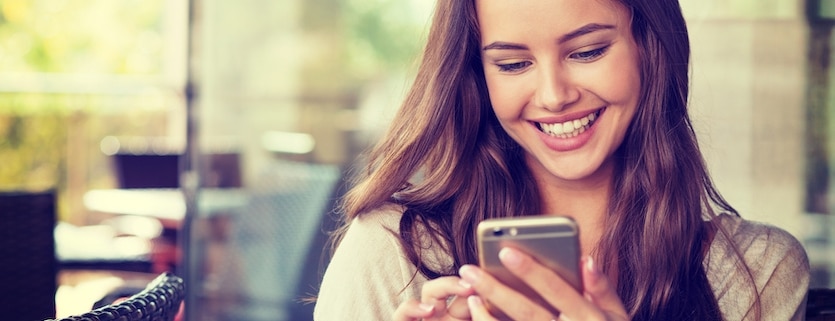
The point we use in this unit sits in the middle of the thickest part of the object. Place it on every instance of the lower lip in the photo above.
(567, 144)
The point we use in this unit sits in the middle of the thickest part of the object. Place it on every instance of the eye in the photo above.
(589, 55)
(512, 67)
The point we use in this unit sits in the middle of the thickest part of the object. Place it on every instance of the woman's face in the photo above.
(563, 80)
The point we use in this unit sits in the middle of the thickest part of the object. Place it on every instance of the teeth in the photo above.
(570, 128)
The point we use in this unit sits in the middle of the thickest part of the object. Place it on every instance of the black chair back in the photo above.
(148, 170)
(28, 265)
(820, 305)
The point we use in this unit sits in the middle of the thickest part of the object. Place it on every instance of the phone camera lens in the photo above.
(498, 232)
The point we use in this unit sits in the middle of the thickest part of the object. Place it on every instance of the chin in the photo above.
(572, 174)
(578, 168)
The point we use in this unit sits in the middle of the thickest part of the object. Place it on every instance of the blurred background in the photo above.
(215, 136)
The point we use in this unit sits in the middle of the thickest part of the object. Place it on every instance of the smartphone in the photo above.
(552, 240)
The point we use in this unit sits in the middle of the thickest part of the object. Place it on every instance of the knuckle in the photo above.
(433, 287)
(599, 317)
(524, 313)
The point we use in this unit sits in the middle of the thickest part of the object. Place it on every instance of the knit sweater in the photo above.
(369, 274)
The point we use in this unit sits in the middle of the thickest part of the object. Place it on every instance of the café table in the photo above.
(168, 204)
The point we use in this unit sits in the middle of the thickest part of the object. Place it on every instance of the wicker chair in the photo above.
(820, 305)
(159, 301)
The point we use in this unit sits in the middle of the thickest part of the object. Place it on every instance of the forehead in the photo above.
(504, 19)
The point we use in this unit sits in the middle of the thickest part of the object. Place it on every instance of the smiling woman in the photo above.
(540, 107)
(547, 78)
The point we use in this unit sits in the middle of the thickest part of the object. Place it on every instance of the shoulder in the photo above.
(762, 246)
(371, 240)
(382, 222)
(772, 261)
(369, 273)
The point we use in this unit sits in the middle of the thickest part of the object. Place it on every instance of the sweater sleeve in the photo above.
(369, 275)
(784, 289)
(778, 266)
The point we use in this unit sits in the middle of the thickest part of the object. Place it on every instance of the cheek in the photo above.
(627, 87)
(506, 98)
(497, 99)
(616, 83)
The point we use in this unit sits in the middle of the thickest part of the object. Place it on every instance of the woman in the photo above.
(571, 107)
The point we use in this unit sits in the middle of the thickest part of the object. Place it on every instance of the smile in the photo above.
(570, 128)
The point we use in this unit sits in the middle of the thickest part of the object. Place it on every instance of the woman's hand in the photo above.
(433, 301)
(598, 302)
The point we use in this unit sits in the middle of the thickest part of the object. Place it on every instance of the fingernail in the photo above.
(474, 301)
(469, 274)
(591, 267)
(464, 284)
(510, 257)
(426, 307)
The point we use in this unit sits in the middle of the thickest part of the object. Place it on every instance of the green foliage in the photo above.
(385, 34)
(75, 39)
(81, 36)
(32, 149)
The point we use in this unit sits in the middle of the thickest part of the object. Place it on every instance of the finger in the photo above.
(502, 297)
(437, 291)
(557, 294)
(458, 308)
(412, 310)
(599, 290)
(444, 287)
(478, 310)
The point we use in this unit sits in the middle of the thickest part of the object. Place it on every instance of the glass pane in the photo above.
(290, 93)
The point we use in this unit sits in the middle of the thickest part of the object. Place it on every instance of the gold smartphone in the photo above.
(552, 240)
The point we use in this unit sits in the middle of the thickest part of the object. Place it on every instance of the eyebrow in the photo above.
(584, 30)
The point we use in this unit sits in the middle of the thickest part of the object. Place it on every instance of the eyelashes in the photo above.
(590, 55)
(512, 67)
(582, 56)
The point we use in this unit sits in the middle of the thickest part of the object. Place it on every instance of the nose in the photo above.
(555, 90)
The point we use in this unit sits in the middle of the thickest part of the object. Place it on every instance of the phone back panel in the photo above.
(551, 240)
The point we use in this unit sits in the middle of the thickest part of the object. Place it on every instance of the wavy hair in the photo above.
(449, 163)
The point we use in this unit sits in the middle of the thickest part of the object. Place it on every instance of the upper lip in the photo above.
(566, 117)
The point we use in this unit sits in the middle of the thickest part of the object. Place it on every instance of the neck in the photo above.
(586, 201)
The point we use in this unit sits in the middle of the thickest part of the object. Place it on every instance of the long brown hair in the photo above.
(448, 162)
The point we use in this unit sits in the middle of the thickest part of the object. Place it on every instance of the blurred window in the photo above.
(75, 72)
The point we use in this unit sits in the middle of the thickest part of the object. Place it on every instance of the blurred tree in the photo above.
(384, 35)
(48, 46)
(31, 147)
(81, 36)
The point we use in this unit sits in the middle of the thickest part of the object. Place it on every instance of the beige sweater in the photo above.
(369, 275)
